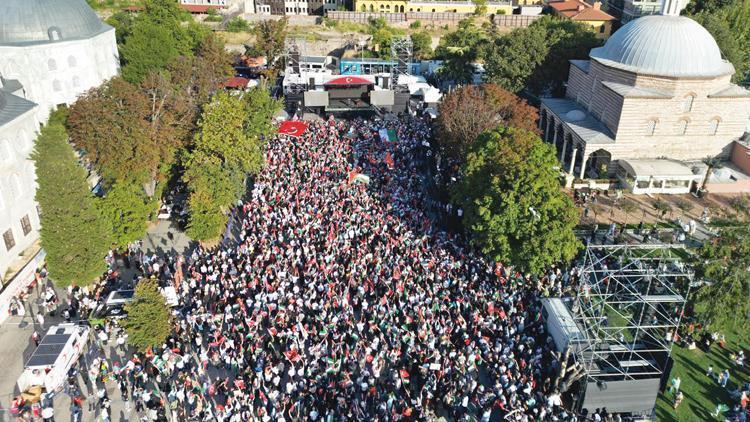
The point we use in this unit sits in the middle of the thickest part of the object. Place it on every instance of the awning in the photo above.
(349, 80)
(292, 128)
(658, 168)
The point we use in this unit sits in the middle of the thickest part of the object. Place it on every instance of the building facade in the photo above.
(50, 53)
(587, 14)
(297, 7)
(19, 221)
(657, 89)
(404, 6)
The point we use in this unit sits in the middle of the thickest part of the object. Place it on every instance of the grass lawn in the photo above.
(702, 393)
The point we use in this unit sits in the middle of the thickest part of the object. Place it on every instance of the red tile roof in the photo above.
(236, 82)
(580, 11)
(199, 8)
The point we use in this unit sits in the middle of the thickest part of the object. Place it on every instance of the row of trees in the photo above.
(507, 182)
(134, 131)
(227, 147)
(535, 57)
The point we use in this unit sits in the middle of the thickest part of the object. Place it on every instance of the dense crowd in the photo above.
(342, 299)
(339, 298)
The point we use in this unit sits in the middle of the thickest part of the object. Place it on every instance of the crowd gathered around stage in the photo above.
(335, 296)
(343, 300)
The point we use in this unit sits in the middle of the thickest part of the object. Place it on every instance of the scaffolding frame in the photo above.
(629, 307)
(401, 55)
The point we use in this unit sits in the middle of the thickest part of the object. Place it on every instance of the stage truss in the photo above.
(629, 306)
(401, 55)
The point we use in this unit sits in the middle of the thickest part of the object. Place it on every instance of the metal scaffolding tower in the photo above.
(629, 305)
(401, 55)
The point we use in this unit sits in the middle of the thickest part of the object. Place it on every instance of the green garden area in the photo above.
(702, 394)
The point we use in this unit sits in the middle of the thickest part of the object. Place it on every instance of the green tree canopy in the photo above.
(727, 21)
(725, 263)
(127, 210)
(513, 203)
(460, 49)
(269, 39)
(148, 322)
(421, 45)
(228, 145)
(156, 37)
(73, 232)
(537, 56)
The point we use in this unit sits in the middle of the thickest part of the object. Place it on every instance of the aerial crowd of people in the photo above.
(336, 296)
(342, 300)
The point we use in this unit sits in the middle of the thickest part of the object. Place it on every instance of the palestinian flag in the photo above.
(404, 374)
(334, 366)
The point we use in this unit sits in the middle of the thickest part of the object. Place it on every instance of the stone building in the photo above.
(658, 89)
(51, 51)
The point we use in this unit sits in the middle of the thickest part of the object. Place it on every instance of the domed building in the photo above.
(51, 51)
(56, 49)
(647, 107)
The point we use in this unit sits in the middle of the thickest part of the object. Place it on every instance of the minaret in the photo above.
(672, 7)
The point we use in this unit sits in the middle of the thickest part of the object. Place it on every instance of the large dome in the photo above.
(41, 21)
(670, 46)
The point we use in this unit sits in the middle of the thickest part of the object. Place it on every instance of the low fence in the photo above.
(508, 21)
(365, 17)
(514, 21)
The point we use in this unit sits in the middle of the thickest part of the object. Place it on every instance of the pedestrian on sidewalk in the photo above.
(35, 338)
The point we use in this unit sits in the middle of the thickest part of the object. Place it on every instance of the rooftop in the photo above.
(581, 11)
(24, 22)
(587, 127)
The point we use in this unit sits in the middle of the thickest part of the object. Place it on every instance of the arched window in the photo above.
(713, 126)
(687, 103)
(56, 85)
(16, 186)
(72, 61)
(51, 64)
(5, 153)
(682, 127)
(651, 127)
(24, 142)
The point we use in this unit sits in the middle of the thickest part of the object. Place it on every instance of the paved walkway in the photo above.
(16, 348)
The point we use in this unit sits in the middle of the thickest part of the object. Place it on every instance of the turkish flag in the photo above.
(292, 128)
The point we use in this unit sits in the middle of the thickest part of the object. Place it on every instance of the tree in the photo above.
(213, 188)
(148, 323)
(725, 263)
(727, 22)
(469, 111)
(480, 7)
(223, 133)
(127, 210)
(157, 36)
(513, 203)
(269, 39)
(568, 40)
(73, 232)
(229, 145)
(711, 164)
(421, 45)
(237, 24)
(459, 50)
(149, 48)
(537, 56)
(108, 124)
